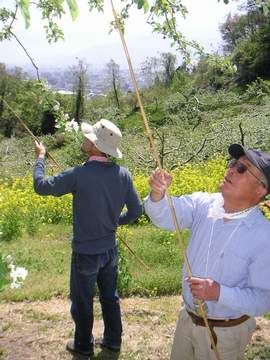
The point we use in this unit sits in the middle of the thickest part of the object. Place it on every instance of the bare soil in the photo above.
(39, 330)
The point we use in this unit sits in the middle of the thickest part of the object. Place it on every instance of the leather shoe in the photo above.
(75, 351)
(103, 345)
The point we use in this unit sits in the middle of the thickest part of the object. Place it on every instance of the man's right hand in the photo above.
(159, 182)
(40, 150)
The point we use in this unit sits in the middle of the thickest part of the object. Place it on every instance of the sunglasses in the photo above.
(242, 168)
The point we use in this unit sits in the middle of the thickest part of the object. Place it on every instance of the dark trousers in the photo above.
(86, 271)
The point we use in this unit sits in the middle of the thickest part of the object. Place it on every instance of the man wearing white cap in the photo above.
(100, 190)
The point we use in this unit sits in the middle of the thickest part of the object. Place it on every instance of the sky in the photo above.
(88, 36)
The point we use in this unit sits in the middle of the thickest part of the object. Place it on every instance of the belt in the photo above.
(197, 320)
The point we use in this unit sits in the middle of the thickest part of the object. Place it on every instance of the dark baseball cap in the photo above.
(258, 158)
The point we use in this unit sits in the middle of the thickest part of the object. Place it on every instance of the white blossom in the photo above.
(14, 285)
(72, 126)
(17, 274)
(56, 107)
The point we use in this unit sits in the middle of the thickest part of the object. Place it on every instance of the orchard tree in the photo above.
(237, 28)
(168, 61)
(214, 71)
(159, 70)
(114, 80)
(24, 98)
(151, 70)
(246, 39)
(80, 82)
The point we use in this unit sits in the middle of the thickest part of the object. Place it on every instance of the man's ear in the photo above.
(261, 191)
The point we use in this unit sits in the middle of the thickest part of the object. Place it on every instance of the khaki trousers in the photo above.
(192, 342)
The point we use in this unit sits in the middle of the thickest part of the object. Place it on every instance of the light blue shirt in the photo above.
(236, 254)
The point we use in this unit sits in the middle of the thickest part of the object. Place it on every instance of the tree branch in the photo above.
(195, 154)
(27, 54)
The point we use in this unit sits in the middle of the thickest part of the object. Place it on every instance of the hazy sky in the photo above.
(88, 36)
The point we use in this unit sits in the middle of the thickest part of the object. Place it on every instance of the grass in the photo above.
(159, 251)
(258, 352)
(46, 256)
(37, 316)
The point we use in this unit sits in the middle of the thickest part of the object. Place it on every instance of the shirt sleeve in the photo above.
(250, 301)
(61, 184)
(160, 214)
(133, 204)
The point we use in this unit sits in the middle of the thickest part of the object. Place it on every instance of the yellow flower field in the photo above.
(20, 207)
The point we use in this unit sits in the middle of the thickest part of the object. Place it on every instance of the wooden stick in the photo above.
(133, 252)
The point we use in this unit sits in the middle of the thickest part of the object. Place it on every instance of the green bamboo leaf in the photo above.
(24, 7)
(73, 8)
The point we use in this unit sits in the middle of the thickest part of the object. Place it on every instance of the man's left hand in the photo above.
(204, 289)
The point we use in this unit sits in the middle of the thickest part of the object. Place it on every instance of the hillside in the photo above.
(183, 134)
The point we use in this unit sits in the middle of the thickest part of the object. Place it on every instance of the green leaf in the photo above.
(140, 3)
(146, 6)
(226, 2)
(265, 10)
(73, 8)
(24, 7)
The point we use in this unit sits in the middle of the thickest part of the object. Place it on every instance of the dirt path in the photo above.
(40, 330)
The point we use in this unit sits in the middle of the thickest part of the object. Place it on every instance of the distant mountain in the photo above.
(57, 55)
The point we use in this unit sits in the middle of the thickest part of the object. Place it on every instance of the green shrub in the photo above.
(32, 223)
(257, 90)
(10, 225)
(4, 272)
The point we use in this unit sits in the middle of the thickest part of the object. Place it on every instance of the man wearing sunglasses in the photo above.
(228, 251)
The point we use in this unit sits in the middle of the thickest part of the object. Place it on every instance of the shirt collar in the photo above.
(98, 158)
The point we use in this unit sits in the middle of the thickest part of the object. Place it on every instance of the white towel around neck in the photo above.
(216, 211)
